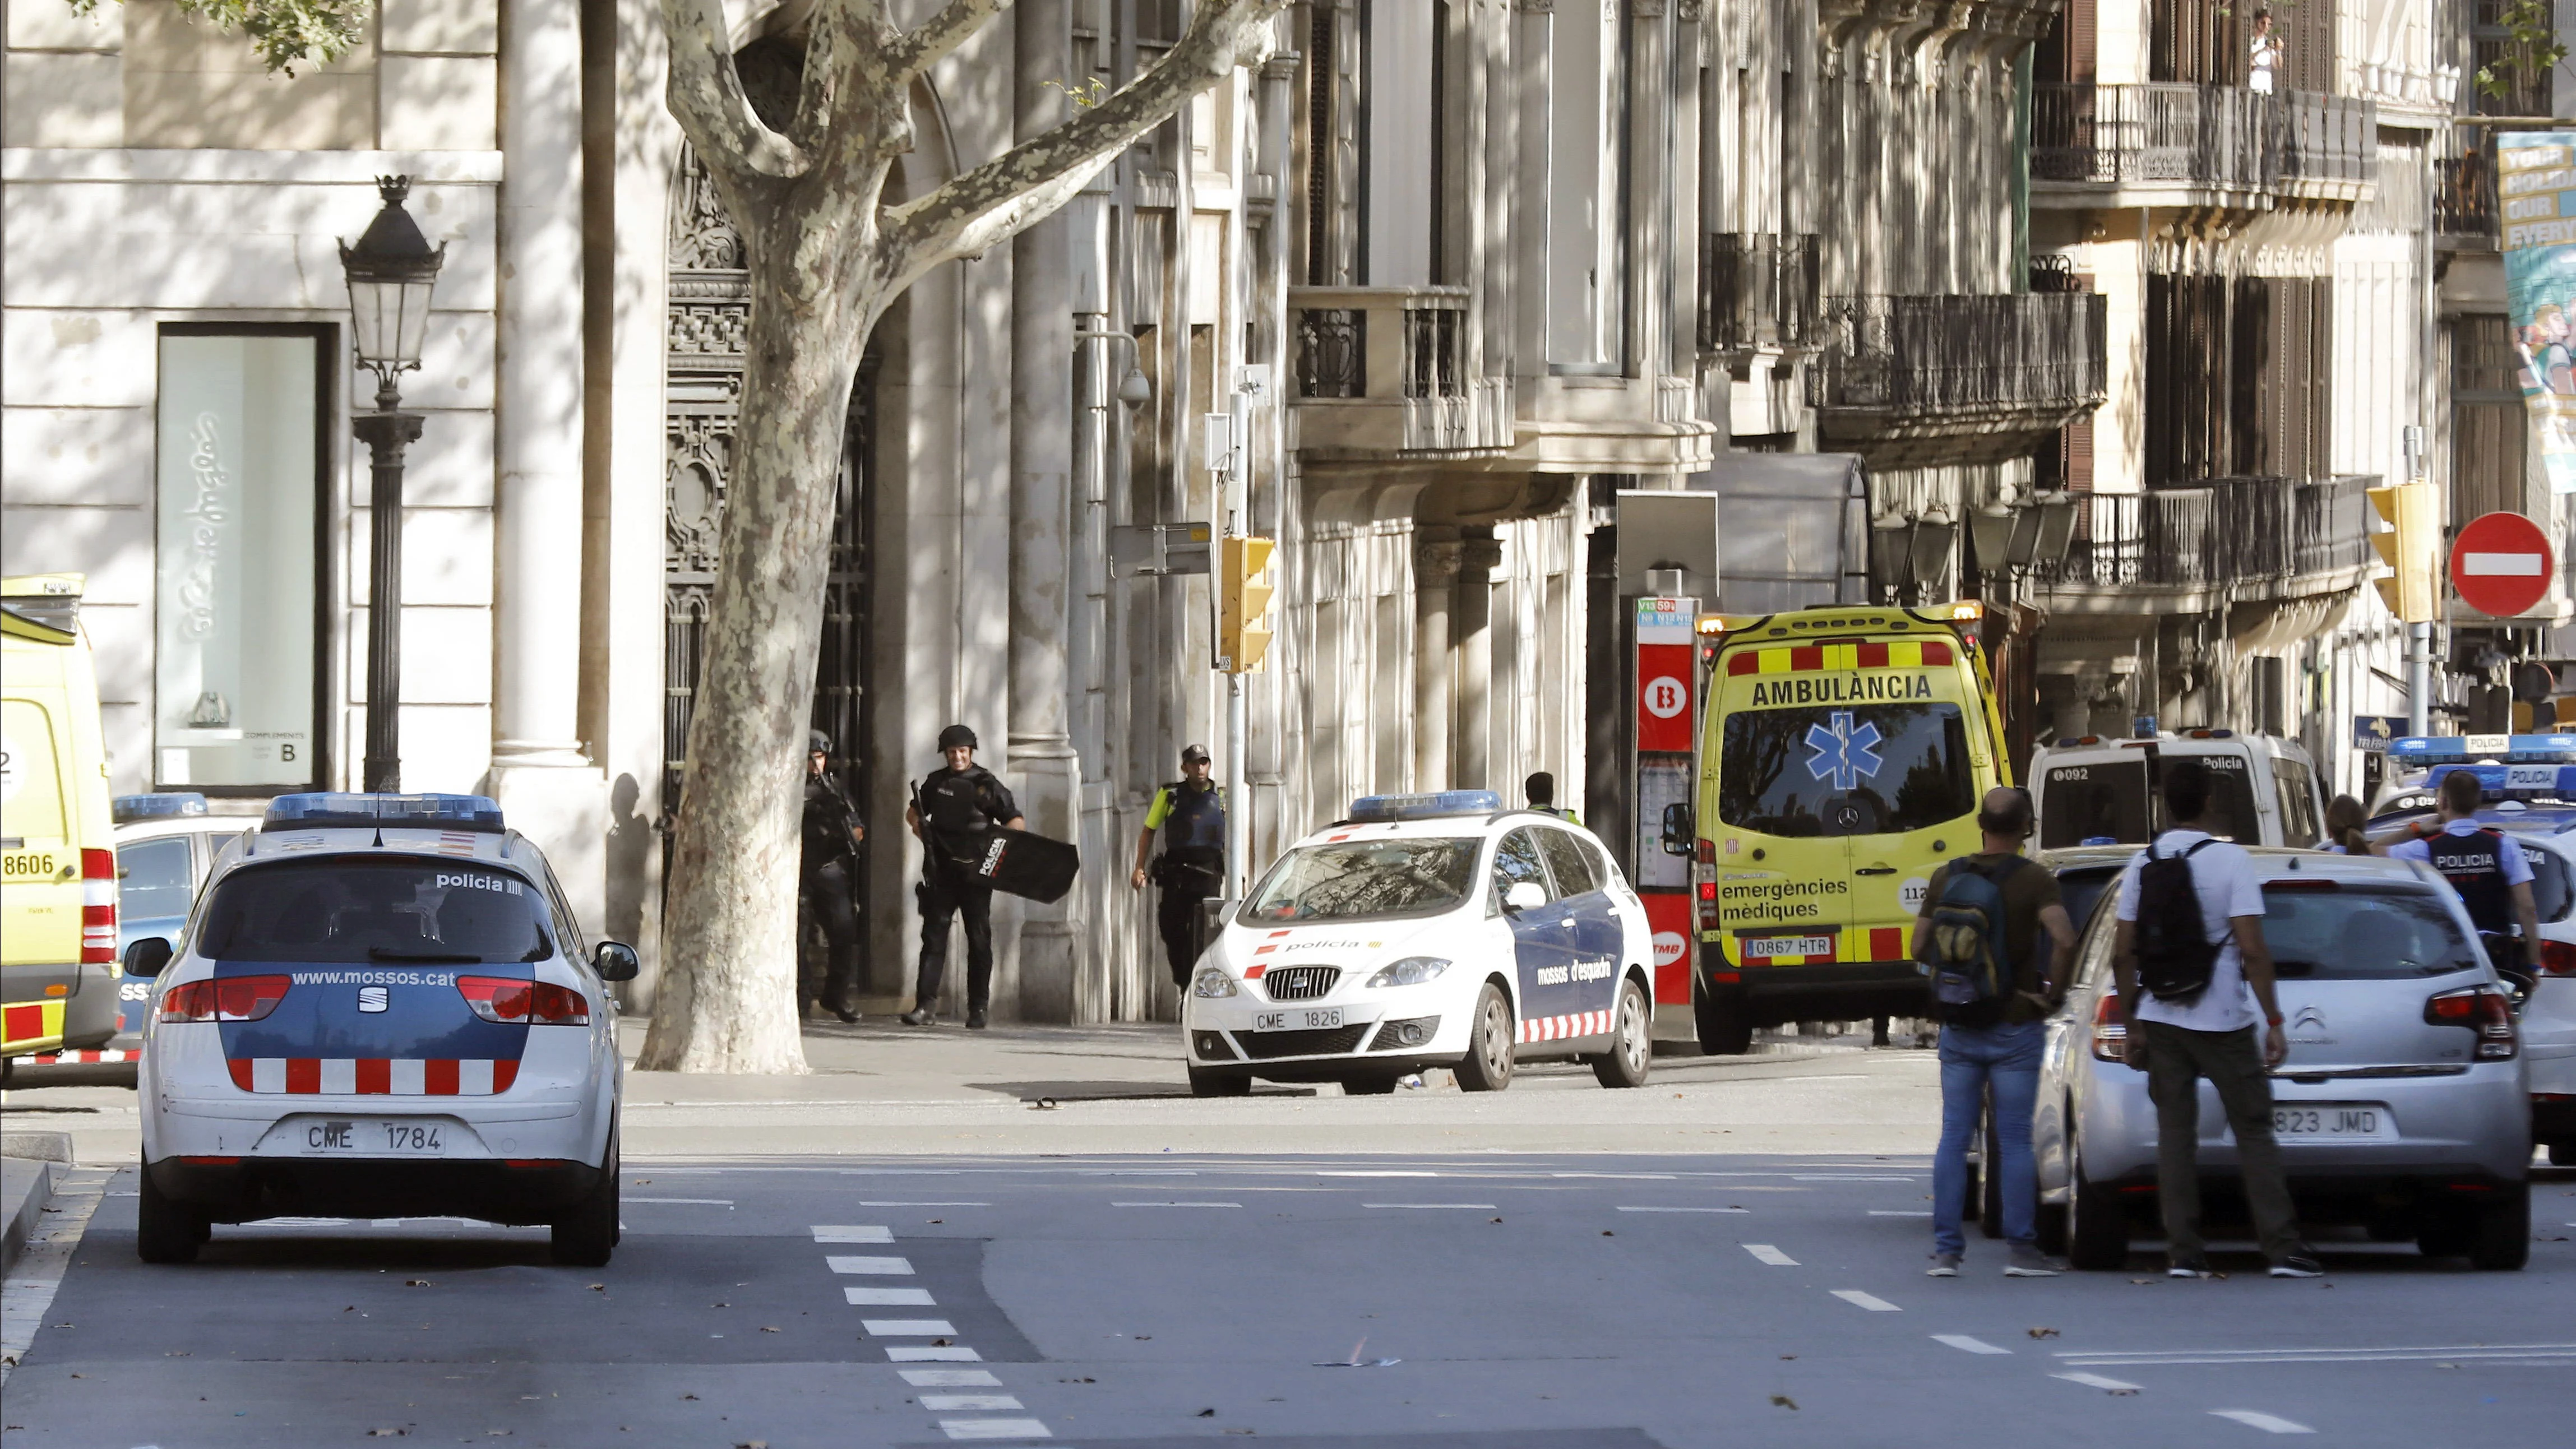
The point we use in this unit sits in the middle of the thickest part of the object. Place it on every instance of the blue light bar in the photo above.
(2499, 782)
(323, 810)
(1384, 808)
(2504, 749)
(166, 805)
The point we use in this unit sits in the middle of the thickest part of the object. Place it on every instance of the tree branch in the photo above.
(926, 44)
(991, 203)
(706, 95)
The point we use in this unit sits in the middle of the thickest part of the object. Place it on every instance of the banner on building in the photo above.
(2536, 188)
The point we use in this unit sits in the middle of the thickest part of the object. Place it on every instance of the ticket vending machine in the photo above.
(1664, 770)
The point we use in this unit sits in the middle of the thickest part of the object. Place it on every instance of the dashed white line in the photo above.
(865, 1202)
(1964, 1344)
(700, 1201)
(1343, 1173)
(1471, 1207)
(1685, 1210)
(1900, 1212)
(888, 1297)
(2268, 1423)
(916, 1353)
(1843, 1177)
(853, 1235)
(1870, 1301)
(994, 1429)
(969, 1403)
(883, 1267)
(1622, 1176)
(1765, 1253)
(908, 1327)
(921, 1378)
(1178, 1204)
(2097, 1381)
(2103, 1358)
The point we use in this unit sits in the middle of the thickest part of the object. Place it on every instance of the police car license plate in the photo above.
(363, 1137)
(1311, 1018)
(2349, 1121)
(1762, 947)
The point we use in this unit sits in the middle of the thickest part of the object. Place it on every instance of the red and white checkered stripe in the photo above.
(71, 1059)
(1559, 1028)
(374, 1076)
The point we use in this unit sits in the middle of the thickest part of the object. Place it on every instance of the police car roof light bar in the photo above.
(325, 809)
(161, 805)
(1383, 809)
(2512, 782)
(2501, 749)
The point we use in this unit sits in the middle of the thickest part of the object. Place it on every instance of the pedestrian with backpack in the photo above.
(2195, 979)
(1995, 941)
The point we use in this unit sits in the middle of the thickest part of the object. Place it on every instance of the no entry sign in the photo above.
(2501, 565)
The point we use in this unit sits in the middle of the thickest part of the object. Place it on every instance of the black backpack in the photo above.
(2175, 954)
(1969, 962)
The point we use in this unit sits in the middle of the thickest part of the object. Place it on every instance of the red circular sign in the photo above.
(2501, 564)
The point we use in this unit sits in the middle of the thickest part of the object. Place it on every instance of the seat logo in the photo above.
(374, 998)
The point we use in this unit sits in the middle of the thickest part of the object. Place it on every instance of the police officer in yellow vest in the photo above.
(1191, 810)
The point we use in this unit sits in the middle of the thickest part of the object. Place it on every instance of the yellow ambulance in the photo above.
(58, 971)
(1843, 756)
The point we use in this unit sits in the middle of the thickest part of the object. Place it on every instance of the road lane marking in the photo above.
(1335, 1172)
(1842, 1177)
(2096, 1381)
(853, 1235)
(888, 1297)
(950, 1378)
(1472, 1207)
(1900, 1212)
(863, 1202)
(1870, 1301)
(700, 1201)
(1964, 1344)
(1684, 1210)
(914, 1353)
(883, 1267)
(969, 1403)
(1622, 1176)
(2268, 1423)
(1765, 1253)
(994, 1429)
(2108, 1358)
(908, 1327)
(1178, 1204)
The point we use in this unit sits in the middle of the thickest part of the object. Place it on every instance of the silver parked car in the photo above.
(2403, 1105)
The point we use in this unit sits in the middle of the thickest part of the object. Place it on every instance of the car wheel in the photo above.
(1725, 1025)
(1632, 1042)
(1488, 1064)
(588, 1234)
(1375, 1084)
(1990, 1175)
(1219, 1084)
(166, 1231)
(2500, 1240)
(2097, 1231)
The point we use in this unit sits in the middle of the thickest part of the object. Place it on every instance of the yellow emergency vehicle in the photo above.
(58, 971)
(1842, 759)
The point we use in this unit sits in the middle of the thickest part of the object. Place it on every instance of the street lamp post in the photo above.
(391, 271)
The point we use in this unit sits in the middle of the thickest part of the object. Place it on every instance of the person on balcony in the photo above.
(2266, 58)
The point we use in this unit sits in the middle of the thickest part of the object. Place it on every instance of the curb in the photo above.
(38, 1146)
(30, 1207)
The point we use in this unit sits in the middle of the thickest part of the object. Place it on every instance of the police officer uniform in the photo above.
(957, 810)
(1191, 868)
(2482, 865)
(828, 872)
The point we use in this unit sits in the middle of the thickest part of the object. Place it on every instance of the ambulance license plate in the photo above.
(1311, 1018)
(1757, 948)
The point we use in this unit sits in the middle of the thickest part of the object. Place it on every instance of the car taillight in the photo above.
(1704, 884)
(2557, 958)
(2484, 1010)
(98, 907)
(513, 1002)
(224, 998)
(2110, 1033)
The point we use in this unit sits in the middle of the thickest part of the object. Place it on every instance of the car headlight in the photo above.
(1411, 971)
(1212, 981)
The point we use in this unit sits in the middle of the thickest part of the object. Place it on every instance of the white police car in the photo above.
(1426, 930)
(380, 1007)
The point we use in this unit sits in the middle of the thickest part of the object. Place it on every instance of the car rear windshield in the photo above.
(1866, 770)
(2362, 934)
(1363, 880)
(2108, 802)
(344, 908)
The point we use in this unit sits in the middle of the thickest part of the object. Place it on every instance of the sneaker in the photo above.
(975, 1020)
(2027, 1261)
(1944, 1265)
(918, 1016)
(2298, 1265)
(847, 1016)
(2189, 1268)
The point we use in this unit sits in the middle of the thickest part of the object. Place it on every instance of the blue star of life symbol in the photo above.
(1844, 754)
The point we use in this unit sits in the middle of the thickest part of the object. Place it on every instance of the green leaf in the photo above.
(284, 33)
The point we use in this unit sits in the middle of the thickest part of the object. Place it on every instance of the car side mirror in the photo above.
(615, 961)
(1524, 896)
(148, 957)
(1681, 833)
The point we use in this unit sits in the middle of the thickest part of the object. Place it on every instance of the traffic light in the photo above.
(2411, 546)
(1243, 603)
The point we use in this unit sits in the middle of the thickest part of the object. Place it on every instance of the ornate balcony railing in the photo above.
(2251, 534)
(1759, 290)
(1391, 366)
(1944, 353)
(2217, 138)
(2464, 197)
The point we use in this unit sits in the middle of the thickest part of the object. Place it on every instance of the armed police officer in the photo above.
(1191, 813)
(2485, 866)
(953, 811)
(829, 870)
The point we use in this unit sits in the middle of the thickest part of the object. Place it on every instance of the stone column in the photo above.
(1040, 757)
(548, 788)
(1435, 580)
(1471, 626)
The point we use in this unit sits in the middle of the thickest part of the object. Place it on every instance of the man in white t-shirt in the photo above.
(2210, 1035)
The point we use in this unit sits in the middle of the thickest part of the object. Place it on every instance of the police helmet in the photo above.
(817, 743)
(957, 735)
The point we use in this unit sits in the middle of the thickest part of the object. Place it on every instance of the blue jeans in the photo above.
(1974, 1059)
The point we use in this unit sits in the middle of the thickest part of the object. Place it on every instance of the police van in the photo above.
(380, 1006)
(2090, 790)
(1435, 930)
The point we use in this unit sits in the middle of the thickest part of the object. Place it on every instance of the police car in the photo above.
(380, 1007)
(1437, 930)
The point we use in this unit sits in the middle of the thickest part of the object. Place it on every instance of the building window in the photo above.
(237, 662)
(1587, 165)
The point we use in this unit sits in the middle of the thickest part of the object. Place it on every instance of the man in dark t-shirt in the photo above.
(1996, 1045)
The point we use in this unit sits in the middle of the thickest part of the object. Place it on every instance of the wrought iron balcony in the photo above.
(1385, 370)
(1954, 378)
(2465, 217)
(1759, 291)
(2246, 537)
(2201, 138)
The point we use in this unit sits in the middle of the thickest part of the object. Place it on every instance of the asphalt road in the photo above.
(1526, 1300)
